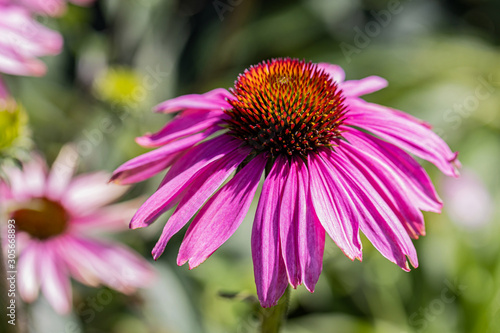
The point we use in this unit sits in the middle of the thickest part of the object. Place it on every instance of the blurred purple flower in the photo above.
(298, 121)
(55, 215)
(467, 199)
(49, 7)
(22, 40)
(4, 95)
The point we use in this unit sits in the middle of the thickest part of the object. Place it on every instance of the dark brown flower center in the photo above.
(285, 106)
(42, 218)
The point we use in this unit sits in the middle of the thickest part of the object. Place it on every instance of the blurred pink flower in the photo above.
(49, 7)
(467, 199)
(55, 215)
(22, 40)
(4, 94)
(299, 122)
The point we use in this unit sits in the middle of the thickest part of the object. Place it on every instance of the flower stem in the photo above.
(272, 318)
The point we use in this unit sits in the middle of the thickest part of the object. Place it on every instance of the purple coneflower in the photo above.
(55, 216)
(325, 171)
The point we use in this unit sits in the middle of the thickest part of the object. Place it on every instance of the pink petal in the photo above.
(335, 213)
(55, 282)
(110, 218)
(28, 274)
(181, 126)
(289, 220)
(311, 234)
(335, 71)
(94, 262)
(22, 39)
(45, 7)
(221, 215)
(212, 100)
(15, 64)
(387, 183)
(149, 164)
(201, 188)
(61, 172)
(164, 198)
(22, 34)
(5, 192)
(417, 183)
(354, 88)
(91, 191)
(468, 201)
(4, 93)
(81, 263)
(269, 267)
(401, 131)
(82, 2)
(28, 182)
(131, 270)
(16, 184)
(35, 175)
(385, 111)
(375, 218)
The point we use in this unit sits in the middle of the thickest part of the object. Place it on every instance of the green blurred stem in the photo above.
(272, 318)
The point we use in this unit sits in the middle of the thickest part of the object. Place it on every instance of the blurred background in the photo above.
(442, 61)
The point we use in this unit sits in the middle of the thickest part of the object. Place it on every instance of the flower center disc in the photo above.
(44, 218)
(285, 107)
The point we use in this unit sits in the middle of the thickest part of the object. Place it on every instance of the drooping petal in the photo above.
(15, 188)
(110, 218)
(91, 191)
(4, 93)
(164, 198)
(221, 215)
(81, 263)
(55, 283)
(385, 111)
(82, 2)
(24, 35)
(149, 164)
(417, 183)
(335, 212)
(28, 275)
(181, 126)
(15, 64)
(95, 262)
(61, 172)
(375, 218)
(202, 187)
(354, 88)
(389, 185)
(5, 192)
(378, 222)
(50, 7)
(311, 234)
(27, 183)
(131, 271)
(335, 71)
(289, 225)
(35, 176)
(269, 267)
(22, 39)
(45, 7)
(212, 100)
(401, 131)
